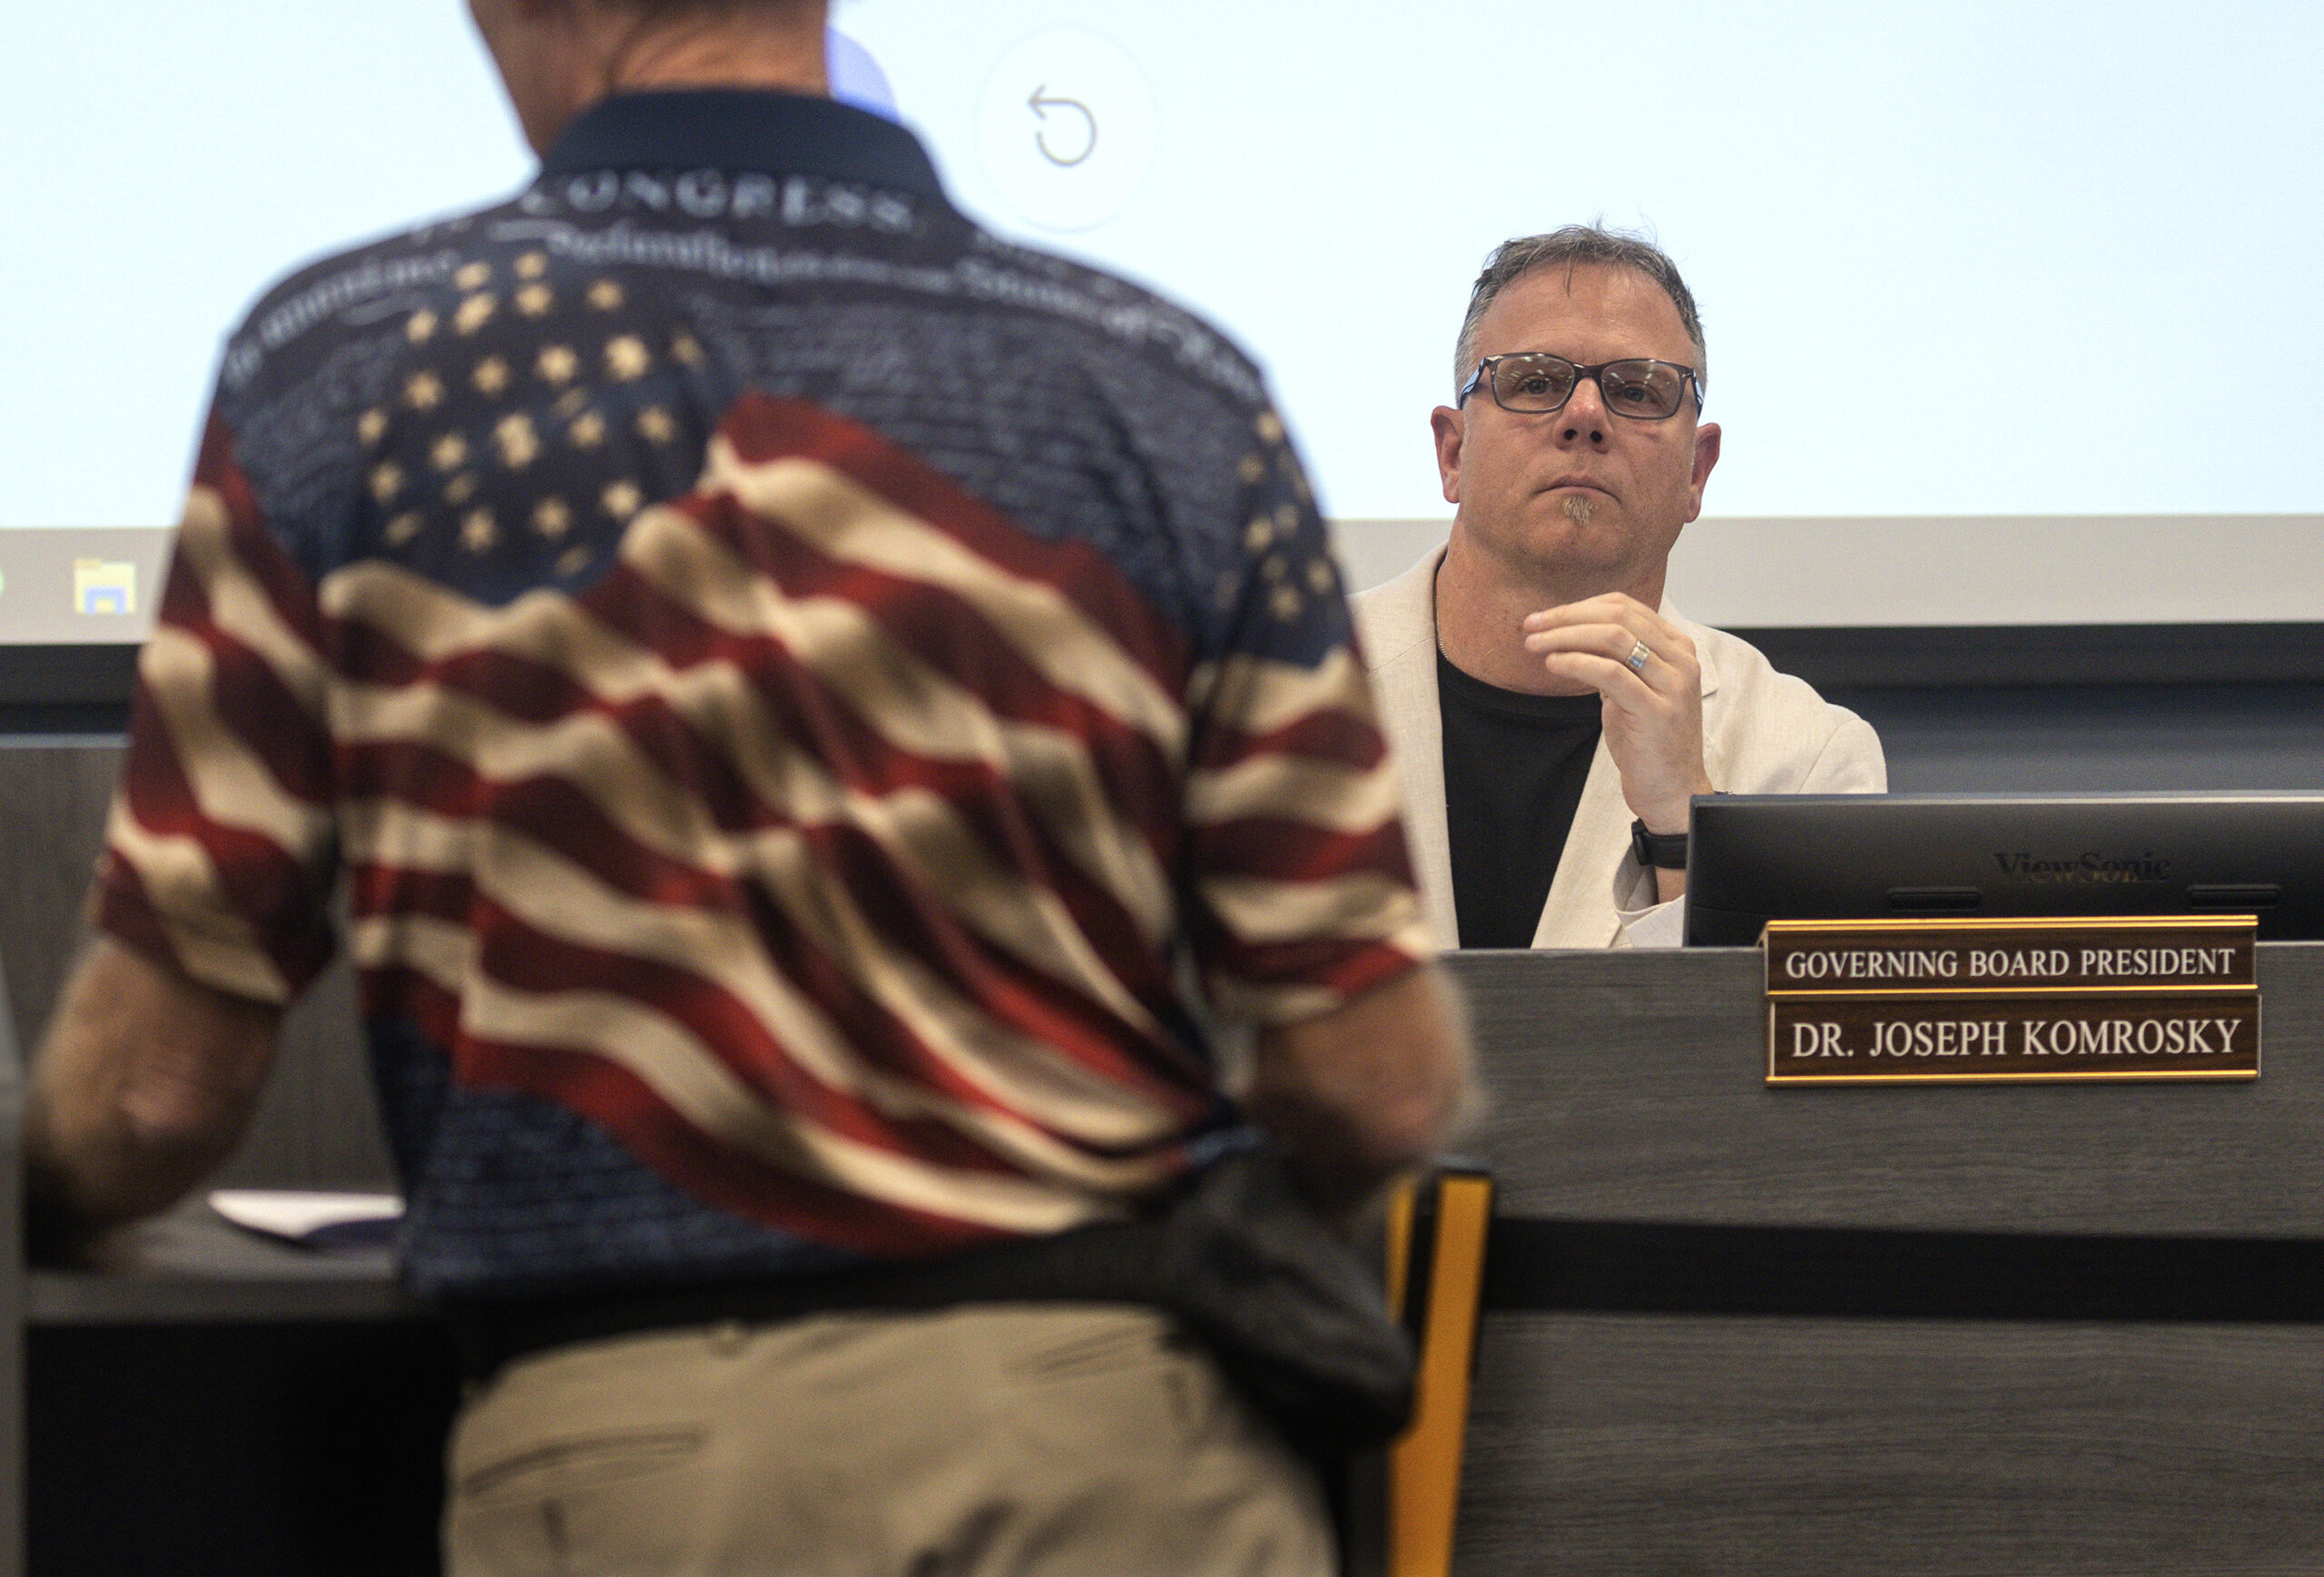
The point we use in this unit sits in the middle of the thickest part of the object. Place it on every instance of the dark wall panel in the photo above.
(317, 1125)
(2090, 738)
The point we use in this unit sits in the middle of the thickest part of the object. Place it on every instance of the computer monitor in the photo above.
(1754, 857)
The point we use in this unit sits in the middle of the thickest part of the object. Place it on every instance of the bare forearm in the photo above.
(1367, 1092)
(144, 1086)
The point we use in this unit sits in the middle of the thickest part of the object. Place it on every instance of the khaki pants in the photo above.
(1078, 1441)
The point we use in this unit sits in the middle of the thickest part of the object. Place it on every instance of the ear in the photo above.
(1448, 425)
(1706, 457)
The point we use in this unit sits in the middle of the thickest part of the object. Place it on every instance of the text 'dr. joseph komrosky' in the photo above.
(1887, 1001)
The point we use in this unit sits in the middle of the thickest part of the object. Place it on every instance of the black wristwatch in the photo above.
(1659, 850)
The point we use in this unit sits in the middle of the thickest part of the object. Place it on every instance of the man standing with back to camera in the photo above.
(1552, 715)
(796, 689)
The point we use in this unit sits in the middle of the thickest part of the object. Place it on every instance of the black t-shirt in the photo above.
(1514, 765)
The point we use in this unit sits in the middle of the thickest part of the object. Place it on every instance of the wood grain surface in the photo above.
(1627, 1086)
(1676, 1447)
(1627, 1120)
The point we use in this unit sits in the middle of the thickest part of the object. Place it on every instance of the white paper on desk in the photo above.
(309, 1217)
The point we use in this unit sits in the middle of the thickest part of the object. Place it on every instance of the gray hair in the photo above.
(1575, 246)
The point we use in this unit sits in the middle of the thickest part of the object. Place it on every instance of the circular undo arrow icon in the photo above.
(1041, 104)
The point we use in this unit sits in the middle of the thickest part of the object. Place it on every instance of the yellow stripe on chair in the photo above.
(1435, 1270)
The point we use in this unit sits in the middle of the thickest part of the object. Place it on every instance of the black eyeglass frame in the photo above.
(1484, 370)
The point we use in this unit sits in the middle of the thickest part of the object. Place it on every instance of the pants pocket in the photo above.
(579, 1462)
(620, 1503)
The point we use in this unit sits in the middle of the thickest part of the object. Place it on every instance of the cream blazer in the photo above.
(1764, 733)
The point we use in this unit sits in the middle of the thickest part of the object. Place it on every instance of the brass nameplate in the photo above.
(1981, 1000)
(2172, 954)
(1888, 1040)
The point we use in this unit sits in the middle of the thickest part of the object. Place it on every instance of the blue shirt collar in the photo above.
(733, 129)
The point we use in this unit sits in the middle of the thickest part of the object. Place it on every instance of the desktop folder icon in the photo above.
(104, 586)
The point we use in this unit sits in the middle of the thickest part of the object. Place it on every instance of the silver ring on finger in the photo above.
(1636, 660)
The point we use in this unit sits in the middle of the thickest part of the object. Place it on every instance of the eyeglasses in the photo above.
(1534, 382)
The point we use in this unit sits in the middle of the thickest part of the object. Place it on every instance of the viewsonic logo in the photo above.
(2086, 868)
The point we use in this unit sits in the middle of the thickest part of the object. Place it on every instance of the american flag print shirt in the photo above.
(816, 712)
